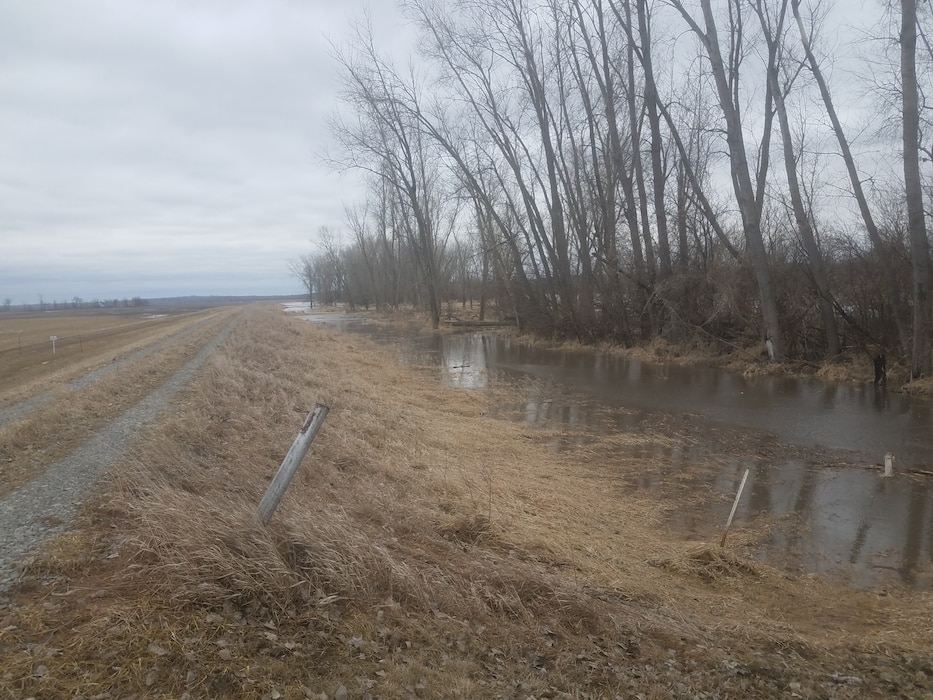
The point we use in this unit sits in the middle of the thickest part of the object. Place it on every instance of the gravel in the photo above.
(46, 505)
(18, 410)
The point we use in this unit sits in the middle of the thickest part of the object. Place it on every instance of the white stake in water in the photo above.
(735, 504)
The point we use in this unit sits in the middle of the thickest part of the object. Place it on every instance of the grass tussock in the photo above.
(710, 564)
(424, 549)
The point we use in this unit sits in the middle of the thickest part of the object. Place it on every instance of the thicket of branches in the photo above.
(627, 169)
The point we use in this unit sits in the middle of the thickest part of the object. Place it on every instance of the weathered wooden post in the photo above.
(289, 466)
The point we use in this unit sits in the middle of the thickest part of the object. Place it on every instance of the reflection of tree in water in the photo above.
(829, 395)
(861, 535)
(802, 508)
(916, 510)
(759, 501)
(881, 401)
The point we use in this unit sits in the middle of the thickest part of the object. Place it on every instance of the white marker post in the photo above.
(53, 338)
(735, 504)
(889, 464)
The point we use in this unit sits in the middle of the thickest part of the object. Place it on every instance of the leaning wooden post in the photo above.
(296, 453)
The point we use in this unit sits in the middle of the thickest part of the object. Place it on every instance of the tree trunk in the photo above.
(638, 171)
(810, 246)
(919, 244)
(658, 176)
(745, 194)
(801, 217)
(890, 279)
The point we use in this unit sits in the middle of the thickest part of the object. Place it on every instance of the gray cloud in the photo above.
(151, 149)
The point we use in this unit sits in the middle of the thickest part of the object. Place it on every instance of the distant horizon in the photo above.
(125, 286)
(120, 299)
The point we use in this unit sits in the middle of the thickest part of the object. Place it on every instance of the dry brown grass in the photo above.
(423, 550)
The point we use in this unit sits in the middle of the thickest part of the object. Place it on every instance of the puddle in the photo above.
(814, 482)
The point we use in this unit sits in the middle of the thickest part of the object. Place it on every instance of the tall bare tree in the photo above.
(855, 180)
(303, 270)
(748, 197)
(387, 141)
(919, 243)
(773, 33)
(658, 174)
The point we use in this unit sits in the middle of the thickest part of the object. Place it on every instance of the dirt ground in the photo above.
(424, 550)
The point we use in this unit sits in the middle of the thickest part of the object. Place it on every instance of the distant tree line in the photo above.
(75, 303)
(632, 169)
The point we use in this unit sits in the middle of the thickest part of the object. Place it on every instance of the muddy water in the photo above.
(813, 449)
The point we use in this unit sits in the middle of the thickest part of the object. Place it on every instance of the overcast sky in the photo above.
(171, 147)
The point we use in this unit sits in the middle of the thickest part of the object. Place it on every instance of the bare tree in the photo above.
(748, 197)
(855, 179)
(919, 243)
(503, 163)
(358, 220)
(386, 139)
(773, 32)
(658, 175)
(303, 270)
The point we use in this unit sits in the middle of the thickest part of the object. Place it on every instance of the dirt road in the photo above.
(45, 505)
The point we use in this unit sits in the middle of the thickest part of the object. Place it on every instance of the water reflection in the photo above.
(843, 521)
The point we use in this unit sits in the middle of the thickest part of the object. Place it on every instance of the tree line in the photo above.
(629, 169)
(75, 303)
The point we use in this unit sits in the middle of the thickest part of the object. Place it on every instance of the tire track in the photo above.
(46, 505)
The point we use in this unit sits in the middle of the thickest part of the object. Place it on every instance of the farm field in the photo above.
(83, 338)
(79, 390)
(425, 549)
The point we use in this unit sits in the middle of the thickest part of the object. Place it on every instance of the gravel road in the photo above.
(46, 505)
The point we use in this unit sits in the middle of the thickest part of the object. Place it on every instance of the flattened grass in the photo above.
(425, 549)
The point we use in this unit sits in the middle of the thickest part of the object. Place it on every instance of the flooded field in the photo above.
(814, 450)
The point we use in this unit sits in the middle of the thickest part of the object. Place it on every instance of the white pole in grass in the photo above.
(735, 504)
(289, 466)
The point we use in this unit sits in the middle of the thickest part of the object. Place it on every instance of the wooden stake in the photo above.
(735, 504)
(289, 466)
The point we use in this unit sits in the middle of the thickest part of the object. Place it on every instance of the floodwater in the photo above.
(814, 482)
